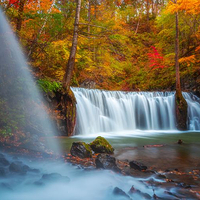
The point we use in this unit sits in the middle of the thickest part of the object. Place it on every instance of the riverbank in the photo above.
(177, 165)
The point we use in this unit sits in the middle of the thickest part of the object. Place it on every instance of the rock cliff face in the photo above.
(181, 112)
(62, 105)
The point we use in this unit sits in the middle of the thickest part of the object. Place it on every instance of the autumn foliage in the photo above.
(122, 44)
(155, 59)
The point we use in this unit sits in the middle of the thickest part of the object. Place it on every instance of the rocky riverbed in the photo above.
(102, 175)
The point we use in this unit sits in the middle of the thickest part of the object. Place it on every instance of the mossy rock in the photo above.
(81, 150)
(101, 145)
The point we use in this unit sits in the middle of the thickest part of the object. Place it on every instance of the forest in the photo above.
(122, 44)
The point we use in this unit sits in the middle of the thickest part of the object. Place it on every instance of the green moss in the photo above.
(101, 145)
(87, 147)
(81, 150)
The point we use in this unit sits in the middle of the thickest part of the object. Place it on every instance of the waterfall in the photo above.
(21, 106)
(193, 111)
(111, 111)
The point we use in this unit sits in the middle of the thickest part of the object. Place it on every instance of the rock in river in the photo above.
(136, 165)
(81, 150)
(101, 145)
(106, 161)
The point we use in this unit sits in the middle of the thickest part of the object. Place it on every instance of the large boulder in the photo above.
(81, 150)
(18, 167)
(106, 161)
(101, 145)
(50, 178)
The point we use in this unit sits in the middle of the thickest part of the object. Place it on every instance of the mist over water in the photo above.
(21, 104)
(115, 111)
(85, 185)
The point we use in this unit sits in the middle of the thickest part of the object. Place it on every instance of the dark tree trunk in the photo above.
(147, 10)
(71, 61)
(89, 16)
(20, 18)
(178, 83)
(180, 102)
(147, 7)
(69, 101)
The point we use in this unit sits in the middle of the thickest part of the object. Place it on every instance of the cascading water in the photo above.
(20, 102)
(106, 111)
(193, 111)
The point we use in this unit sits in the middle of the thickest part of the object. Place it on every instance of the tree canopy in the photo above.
(122, 44)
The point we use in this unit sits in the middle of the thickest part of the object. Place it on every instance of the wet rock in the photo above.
(135, 191)
(180, 142)
(106, 161)
(19, 167)
(161, 176)
(53, 177)
(81, 150)
(3, 160)
(119, 192)
(15, 168)
(155, 196)
(132, 190)
(174, 195)
(101, 145)
(183, 185)
(138, 166)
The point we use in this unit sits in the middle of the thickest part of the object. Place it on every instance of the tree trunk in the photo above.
(180, 102)
(89, 16)
(71, 61)
(19, 18)
(147, 9)
(178, 83)
(69, 101)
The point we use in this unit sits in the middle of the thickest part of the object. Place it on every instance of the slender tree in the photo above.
(19, 18)
(71, 61)
(178, 82)
(181, 104)
(69, 101)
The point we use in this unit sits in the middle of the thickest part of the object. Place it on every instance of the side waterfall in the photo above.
(108, 111)
(21, 105)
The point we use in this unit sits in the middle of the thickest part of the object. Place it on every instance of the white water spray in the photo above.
(21, 104)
